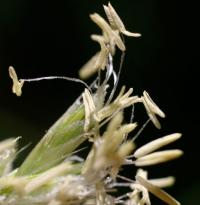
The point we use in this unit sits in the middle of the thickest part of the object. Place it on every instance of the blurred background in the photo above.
(44, 38)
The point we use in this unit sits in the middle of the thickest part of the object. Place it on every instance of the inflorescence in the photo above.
(54, 173)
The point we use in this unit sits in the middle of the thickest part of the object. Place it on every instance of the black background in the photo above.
(43, 38)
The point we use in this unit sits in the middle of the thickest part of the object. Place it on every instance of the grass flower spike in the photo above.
(55, 172)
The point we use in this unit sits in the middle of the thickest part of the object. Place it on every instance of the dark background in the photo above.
(42, 38)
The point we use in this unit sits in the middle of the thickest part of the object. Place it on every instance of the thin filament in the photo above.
(58, 77)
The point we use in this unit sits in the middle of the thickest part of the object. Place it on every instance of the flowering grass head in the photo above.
(55, 173)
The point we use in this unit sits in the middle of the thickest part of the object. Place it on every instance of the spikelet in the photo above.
(53, 174)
